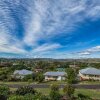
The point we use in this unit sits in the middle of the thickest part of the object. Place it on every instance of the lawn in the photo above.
(95, 94)
(90, 82)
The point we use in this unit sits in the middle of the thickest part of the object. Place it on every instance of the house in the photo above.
(20, 74)
(89, 73)
(55, 76)
(38, 70)
(74, 66)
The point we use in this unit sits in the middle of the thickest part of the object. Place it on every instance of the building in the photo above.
(74, 66)
(55, 76)
(20, 74)
(89, 73)
(38, 70)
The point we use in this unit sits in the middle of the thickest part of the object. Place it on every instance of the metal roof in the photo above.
(90, 71)
(23, 72)
(55, 74)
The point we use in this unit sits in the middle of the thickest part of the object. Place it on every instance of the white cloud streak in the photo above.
(90, 51)
(42, 19)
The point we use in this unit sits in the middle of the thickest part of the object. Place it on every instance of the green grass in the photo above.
(20, 83)
(56, 82)
(89, 82)
(95, 94)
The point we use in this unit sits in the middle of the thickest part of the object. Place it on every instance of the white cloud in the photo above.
(90, 51)
(42, 19)
(46, 47)
(49, 18)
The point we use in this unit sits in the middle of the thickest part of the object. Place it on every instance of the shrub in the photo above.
(16, 97)
(28, 77)
(39, 77)
(83, 97)
(54, 93)
(68, 90)
(25, 90)
(4, 92)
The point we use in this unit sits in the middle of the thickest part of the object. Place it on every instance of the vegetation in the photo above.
(71, 76)
(4, 92)
(25, 90)
(69, 91)
(54, 92)
(8, 66)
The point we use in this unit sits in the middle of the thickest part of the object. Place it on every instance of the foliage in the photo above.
(54, 93)
(55, 87)
(27, 77)
(71, 76)
(16, 97)
(83, 97)
(37, 96)
(4, 92)
(25, 90)
(69, 90)
(39, 77)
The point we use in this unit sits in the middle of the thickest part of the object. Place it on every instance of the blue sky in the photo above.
(50, 28)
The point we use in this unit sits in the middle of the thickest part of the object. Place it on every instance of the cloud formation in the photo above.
(90, 51)
(27, 23)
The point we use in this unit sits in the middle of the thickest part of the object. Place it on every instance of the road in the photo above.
(61, 86)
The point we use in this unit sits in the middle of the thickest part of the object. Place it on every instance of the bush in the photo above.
(39, 77)
(25, 90)
(69, 90)
(27, 77)
(83, 97)
(54, 93)
(37, 96)
(16, 97)
(4, 92)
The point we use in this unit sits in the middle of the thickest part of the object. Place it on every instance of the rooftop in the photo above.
(90, 71)
(55, 74)
(23, 72)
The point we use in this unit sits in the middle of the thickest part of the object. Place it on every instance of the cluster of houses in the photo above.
(84, 74)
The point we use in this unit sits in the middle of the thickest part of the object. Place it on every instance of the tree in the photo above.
(68, 90)
(54, 93)
(39, 77)
(71, 76)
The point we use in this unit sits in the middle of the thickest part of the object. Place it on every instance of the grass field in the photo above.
(89, 82)
(95, 94)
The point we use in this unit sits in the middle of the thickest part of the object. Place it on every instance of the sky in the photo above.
(50, 28)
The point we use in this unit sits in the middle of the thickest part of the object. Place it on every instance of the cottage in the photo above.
(89, 73)
(55, 75)
(20, 74)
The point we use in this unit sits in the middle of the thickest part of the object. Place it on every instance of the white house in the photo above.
(55, 76)
(89, 73)
(20, 74)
